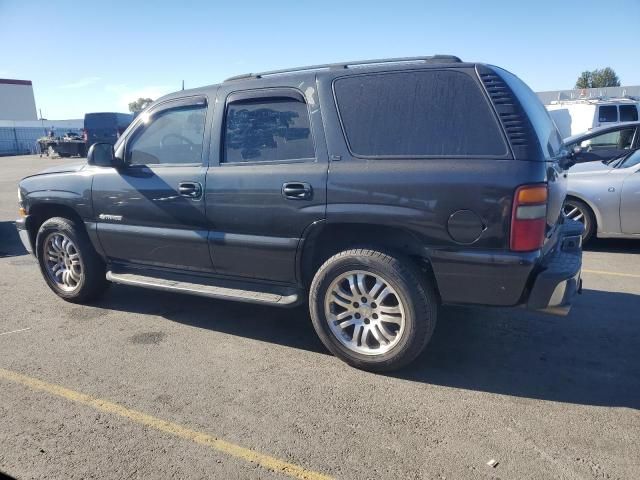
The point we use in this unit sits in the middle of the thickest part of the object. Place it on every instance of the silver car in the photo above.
(605, 196)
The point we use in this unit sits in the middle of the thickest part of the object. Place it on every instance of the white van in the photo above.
(578, 116)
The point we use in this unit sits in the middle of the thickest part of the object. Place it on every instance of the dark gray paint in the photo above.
(245, 228)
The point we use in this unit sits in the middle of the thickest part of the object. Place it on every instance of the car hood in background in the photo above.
(590, 167)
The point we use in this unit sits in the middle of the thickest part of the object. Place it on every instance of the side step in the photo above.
(220, 289)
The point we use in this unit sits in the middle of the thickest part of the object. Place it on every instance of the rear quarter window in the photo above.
(417, 114)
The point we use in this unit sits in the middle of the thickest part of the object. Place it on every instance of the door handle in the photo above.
(190, 189)
(297, 191)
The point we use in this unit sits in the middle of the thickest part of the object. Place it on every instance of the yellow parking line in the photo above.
(210, 441)
(604, 272)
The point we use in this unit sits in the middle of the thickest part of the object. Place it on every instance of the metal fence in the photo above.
(24, 140)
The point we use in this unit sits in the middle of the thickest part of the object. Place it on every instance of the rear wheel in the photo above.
(68, 262)
(579, 211)
(372, 310)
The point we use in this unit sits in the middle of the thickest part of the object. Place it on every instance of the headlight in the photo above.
(19, 196)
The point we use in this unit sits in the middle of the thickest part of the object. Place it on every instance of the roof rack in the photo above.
(344, 65)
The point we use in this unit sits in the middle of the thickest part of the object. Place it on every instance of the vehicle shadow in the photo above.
(286, 326)
(613, 245)
(10, 244)
(590, 357)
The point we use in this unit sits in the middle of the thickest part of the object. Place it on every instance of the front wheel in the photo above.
(69, 263)
(372, 310)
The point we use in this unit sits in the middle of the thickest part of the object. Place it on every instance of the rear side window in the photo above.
(608, 113)
(619, 139)
(266, 130)
(413, 114)
(628, 113)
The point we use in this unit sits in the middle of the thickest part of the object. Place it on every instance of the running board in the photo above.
(220, 289)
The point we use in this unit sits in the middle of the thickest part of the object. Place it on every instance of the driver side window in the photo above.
(619, 139)
(171, 136)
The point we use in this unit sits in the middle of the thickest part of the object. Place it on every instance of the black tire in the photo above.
(93, 280)
(412, 289)
(587, 219)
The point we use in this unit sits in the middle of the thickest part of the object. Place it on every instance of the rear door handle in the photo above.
(297, 191)
(190, 189)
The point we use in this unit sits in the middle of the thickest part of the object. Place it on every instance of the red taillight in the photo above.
(528, 218)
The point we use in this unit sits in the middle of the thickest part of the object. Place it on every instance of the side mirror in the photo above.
(569, 158)
(102, 155)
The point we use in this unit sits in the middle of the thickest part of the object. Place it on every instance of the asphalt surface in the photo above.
(544, 396)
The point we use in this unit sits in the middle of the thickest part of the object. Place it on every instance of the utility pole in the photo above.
(182, 84)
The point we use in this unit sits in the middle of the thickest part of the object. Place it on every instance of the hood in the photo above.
(590, 167)
(67, 168)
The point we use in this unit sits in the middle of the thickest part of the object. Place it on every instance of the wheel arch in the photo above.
(592, 206)
(323, 240)
(40, 212)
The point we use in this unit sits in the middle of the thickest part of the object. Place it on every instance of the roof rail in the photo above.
(344, 65)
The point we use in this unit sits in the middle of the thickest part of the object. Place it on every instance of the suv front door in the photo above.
(268, 183)
(151, 210)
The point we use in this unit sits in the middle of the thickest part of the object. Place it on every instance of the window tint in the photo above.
(628, 113)
(417, 113)
(172, 136)
(608, 113)
(619, 139)
(267, 130)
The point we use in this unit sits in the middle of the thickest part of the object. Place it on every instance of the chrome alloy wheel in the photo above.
(364, 312)
(574, 212)
(63, 262)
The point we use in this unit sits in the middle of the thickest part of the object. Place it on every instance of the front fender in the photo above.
(72, 190)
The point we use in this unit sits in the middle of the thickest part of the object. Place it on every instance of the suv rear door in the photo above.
(267, 178)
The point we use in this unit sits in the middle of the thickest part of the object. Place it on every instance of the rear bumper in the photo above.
(540, 280)
(559, 279)
(23, 233)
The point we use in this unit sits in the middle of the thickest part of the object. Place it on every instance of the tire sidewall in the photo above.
(319, 289)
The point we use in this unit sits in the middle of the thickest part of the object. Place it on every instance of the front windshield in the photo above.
(630, 160)
(615, 161)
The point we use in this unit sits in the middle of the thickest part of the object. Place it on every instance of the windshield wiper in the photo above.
(617, 157)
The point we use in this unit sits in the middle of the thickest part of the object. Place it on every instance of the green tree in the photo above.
(598, 78)
(139, 105)
(584, 80)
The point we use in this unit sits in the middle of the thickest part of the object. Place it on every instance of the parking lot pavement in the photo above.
(143, 384)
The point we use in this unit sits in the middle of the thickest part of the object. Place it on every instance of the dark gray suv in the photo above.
(376, 190)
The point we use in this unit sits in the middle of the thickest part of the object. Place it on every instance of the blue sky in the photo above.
(83, 58)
